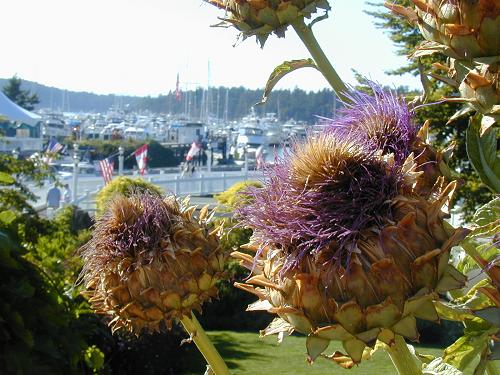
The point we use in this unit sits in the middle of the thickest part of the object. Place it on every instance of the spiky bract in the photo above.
(150, 261)
(351, 244)
(263, 17)
(461, 29)
(467, 32)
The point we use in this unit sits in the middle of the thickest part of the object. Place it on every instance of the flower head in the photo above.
(328, 188)
(263, 17)
(349, 236)
(150, 262)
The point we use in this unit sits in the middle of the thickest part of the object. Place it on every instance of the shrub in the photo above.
(122, 185)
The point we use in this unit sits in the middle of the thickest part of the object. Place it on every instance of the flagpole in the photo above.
(75, 171)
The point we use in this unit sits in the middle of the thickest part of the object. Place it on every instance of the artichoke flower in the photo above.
(263, 17)
(461, 29)
(468, 33)
(150, 262)
(349, 239)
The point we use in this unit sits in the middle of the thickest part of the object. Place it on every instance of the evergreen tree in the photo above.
(406, 38)
(23, 98)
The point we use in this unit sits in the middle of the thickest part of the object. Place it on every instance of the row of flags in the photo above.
(106, 165)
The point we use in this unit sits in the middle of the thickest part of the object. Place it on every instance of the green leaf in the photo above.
(450, 311)
(474, 299)
(482, 152)
(461, 353)
(7, 217)
(6, 179)
(488, 213)
(282, 70)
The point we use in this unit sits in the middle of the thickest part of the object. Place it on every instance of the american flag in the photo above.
(53, 146)
(107, 167)
(141, 156)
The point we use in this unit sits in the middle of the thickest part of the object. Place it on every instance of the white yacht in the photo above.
(249, 140)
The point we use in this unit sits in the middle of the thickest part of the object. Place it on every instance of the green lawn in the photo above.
(246, 353)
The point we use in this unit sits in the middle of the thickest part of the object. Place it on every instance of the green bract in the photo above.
(264, 17)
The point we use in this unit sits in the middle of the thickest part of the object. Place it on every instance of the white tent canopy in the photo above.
(13, 112)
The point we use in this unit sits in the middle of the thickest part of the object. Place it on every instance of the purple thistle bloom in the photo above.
(320, 197)
(306, 214)
(133, 226)
(382, 118)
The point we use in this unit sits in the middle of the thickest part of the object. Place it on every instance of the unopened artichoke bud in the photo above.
(461, 29)
(150, 261)
(263, 17)
(348, 245)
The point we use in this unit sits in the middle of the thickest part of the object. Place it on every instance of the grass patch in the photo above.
(246, 353)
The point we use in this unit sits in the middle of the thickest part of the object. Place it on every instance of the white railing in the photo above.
(215, 182)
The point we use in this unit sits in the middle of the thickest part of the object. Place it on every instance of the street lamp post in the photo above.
(76, 160)
(120, 160)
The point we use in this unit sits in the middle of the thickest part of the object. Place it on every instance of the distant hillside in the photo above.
(296, 104)
(72, 101)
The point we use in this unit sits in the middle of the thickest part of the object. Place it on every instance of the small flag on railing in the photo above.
(107, 167)
(193, 151)
(141, 156)
(53, 148)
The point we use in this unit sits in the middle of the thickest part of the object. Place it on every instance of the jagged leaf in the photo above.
(461, 353)
(450, 311)
(482, 152)
(282, 70)
(488, 213)
(474, 299)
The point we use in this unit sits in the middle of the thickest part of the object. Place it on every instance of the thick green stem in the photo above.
(205, 346)
(325, 67)
(491, 369)
(402, 358)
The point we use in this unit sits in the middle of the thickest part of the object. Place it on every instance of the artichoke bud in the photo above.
(349, 240)
(264, 17)
(150, 261)
(461, 29)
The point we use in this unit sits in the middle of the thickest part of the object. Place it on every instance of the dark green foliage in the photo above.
(24, 98)
(406, 37)
(43, 329)
(38, 333)
(148, 354)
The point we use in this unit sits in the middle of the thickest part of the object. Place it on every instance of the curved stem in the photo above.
(402, 359)
(205, 346)
(325, 67)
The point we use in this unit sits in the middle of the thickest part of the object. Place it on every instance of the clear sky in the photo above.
(138, 47)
